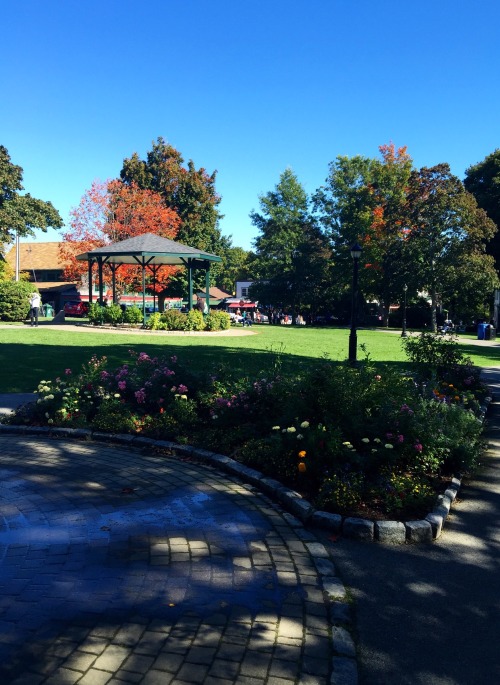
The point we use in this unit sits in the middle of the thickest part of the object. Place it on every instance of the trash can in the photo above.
(493, 332)
(47, 310)
(481, 331)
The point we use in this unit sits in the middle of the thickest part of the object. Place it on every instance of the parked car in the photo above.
(76, 308)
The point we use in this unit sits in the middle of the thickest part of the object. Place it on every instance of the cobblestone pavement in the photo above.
(127, 566)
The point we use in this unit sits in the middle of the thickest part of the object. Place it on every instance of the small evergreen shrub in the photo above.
(14, 300)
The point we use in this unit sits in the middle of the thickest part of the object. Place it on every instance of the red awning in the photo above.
(247, 305)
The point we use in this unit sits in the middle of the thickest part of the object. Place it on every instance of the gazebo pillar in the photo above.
(207, 285)
(190, 284)
(143, 294)
(90, 263)
(101, 285)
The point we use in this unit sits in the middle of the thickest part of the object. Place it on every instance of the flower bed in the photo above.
(362, 441)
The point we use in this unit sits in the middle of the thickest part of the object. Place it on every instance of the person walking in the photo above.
(34, 308)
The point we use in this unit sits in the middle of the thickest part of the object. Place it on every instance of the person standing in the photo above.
(34, 308)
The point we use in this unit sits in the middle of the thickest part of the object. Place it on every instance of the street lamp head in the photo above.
(356, 251)
(405, 287)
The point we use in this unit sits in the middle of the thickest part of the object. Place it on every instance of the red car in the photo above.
(76, 308)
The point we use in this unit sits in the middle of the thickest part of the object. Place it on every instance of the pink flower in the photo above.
(122, 385)
(182, 389)
(418, 447)
(68, 372)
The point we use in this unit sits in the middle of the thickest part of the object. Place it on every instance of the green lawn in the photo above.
(28, 355)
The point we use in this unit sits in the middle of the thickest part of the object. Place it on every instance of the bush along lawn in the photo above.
(366, 441)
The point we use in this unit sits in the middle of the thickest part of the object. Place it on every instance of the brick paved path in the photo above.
(122, 566)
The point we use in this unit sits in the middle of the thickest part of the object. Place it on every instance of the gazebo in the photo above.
(150, 252)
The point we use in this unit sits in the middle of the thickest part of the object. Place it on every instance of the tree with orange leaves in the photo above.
(110, 212)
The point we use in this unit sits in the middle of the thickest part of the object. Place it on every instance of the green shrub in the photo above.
(194, 320)
(132, 315)
(113, 314)
(174, 320)
(155, 322)
(217, 321)
(433, 351)
(96, 314)
(14, 300)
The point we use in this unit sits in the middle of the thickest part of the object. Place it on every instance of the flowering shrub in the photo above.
(354, 439)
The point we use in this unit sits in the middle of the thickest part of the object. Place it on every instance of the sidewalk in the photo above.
(121, 565)
(430, 615)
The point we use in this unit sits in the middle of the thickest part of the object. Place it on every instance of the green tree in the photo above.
(14, 300)
(363, 201)
(235, 267)
(291, 260)
(483, 181)
(21, 214)
(191, 193)
(446, 241)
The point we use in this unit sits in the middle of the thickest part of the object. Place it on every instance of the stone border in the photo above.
(389, 532)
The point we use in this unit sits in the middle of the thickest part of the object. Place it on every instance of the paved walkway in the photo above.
(125, 567)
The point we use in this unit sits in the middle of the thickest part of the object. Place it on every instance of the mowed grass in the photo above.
(28, 355)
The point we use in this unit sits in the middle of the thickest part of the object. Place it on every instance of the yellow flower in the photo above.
(302, 454)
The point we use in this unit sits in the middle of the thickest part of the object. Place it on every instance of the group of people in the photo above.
(279, 317)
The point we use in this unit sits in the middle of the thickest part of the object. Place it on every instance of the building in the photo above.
(42, 264)
(242, 288)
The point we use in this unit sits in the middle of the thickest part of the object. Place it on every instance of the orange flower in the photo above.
(302, 454)
(302, 467)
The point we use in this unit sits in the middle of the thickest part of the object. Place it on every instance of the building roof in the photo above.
(215, 293)
(36, 256)
(151, 249)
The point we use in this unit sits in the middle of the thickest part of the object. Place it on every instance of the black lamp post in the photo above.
(353, 338)
(404, 334)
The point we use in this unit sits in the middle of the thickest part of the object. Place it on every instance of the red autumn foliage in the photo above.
(108, 213)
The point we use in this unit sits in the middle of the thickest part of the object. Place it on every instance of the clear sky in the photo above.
(244, 87)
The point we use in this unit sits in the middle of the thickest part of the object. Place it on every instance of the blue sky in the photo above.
(244, 87)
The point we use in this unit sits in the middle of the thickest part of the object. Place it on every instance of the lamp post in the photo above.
(353, 338)
(404, 334)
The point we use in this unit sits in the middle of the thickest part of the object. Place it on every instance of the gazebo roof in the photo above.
(150, 249)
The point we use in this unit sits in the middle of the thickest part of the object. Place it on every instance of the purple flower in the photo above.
(140, 396)
(122, 385)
